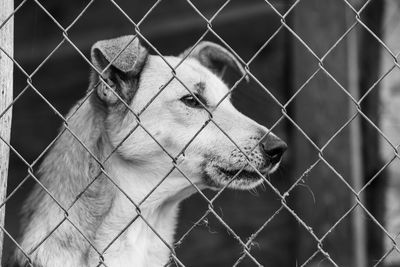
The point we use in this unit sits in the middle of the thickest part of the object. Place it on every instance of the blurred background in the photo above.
(313, 60)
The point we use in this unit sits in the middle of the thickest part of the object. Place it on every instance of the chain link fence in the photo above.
(358, 212)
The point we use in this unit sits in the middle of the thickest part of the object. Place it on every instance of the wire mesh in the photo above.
(176, 159)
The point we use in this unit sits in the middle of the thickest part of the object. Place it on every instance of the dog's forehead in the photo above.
(189, 73)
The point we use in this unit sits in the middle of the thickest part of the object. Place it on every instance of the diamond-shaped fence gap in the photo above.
(135, 10)
(199, 225)
(217, 246)
(333, 68)
(266, 58)
(111, 25)
(323, 211)
(232, 17)
(246, 206)
(64, 14)
(336, 236)
(62, 84)
(33, 115)
(268, 67)
(36, 36)
(303, 75)
(163, 28)
(211, 27)
(268, 242)
(321, 17)
(324, 90)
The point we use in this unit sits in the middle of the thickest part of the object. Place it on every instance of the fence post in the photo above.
(357, 177)
(6, 95)
(320, 110)
(375, 193)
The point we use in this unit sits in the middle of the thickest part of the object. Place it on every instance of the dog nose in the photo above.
(273, 148)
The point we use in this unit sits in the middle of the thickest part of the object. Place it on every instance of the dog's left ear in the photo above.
(215, 57)
(120, 61)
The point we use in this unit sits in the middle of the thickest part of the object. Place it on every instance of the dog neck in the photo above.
(144, 220)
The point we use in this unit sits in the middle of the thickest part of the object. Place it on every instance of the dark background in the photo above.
(282, 66)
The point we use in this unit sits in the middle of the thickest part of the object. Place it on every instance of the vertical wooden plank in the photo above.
(357, 177)
(6, 95)
(370, 54)
(320, 110)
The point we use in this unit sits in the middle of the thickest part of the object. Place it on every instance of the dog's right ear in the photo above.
(215, 57)
(119, 62)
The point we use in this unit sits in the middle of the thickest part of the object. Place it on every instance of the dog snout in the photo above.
(273, 148)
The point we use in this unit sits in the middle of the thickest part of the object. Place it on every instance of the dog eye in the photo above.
(191, 101)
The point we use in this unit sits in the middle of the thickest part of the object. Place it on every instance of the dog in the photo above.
(113, 184)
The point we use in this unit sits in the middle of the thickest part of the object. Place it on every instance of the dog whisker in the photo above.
(309, 190)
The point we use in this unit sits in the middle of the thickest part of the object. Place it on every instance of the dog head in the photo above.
(184, 110)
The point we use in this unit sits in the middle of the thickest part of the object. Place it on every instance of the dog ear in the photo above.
(120, 61)
(215, 57)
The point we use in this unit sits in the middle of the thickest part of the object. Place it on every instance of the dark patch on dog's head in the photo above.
(200, 87)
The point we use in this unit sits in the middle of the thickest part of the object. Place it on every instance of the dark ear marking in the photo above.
(120, 61)
(215, 57)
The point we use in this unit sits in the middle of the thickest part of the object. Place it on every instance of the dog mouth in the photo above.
(240, 174)
(238, 178)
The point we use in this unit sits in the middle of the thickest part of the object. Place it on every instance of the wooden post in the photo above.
(357, 176)
(6, 95)
(375, 193)
(320, 110)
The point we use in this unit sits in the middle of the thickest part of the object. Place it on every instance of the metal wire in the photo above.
(249, 243)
